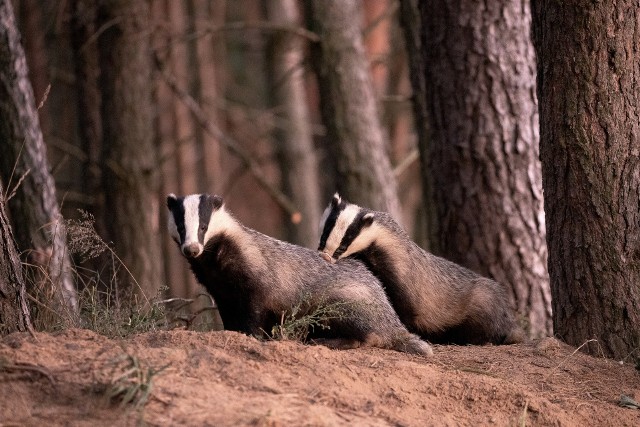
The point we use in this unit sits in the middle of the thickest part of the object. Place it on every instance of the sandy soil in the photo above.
(228, 379)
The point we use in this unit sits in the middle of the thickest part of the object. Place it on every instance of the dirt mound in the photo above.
(225, 378)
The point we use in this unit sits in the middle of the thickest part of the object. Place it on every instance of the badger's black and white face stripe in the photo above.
(346, 229)
(194, 219)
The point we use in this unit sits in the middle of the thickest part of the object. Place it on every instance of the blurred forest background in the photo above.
(427, 110)
(275, 105)
(199, 76)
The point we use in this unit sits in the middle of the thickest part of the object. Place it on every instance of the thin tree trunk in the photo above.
(14, 311)
(411, 23)
(296, 153)
(87, 71)
(482, 154)
(129, 156)
(348, 104)
(188, 166)
(33, 32)
(203, 87)
(38, 225)
(588, 77)
(175, 271)
(377, 43)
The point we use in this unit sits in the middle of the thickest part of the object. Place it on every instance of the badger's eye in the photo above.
(203, 228)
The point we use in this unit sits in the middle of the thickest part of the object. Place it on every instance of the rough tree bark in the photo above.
(34, 210)
(482, 153)
(14, 311)
(295, 149)
(348, 105)
(129, 156)
(588, 77)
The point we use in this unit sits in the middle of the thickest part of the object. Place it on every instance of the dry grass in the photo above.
(104, 304)
(305, 318)
(130, 380)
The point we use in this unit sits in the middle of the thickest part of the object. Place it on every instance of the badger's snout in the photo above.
(192, 250)
(325, 256)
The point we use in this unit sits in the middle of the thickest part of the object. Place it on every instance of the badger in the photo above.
(256, 280)
(435, 298)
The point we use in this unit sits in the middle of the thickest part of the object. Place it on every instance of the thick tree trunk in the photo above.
(296, 153)
(38, 226)
(129, 156)
(348, 104)
(588, 77)
(14, 311)
(482, 155)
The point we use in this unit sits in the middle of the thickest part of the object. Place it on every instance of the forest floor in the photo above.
(174, 378)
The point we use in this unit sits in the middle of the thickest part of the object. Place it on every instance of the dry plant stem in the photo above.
(284, 202)
(569, 356)
(10, 193)
(30, 368)
(523, 417)
(188, 320)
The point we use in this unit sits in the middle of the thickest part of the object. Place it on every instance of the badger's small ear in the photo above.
(367, 219)
(217, 202)
(172, 200)
(336, 200)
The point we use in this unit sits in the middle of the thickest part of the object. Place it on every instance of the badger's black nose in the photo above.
(191, 251)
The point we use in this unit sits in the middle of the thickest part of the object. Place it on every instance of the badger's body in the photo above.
(256, 280)
(435, 298)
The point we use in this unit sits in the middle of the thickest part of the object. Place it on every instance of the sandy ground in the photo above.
(228, 379)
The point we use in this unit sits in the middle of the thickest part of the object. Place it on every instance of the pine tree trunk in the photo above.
(176, 274)
(87, 71)
(205, 70)
(411, 23)
(482, 152)
(14, 311)
(295, 149)
(34, 210)
(129, 156)
(588, 76)
(31, 21)
(357, 141)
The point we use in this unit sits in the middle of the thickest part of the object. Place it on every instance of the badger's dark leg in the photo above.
(372, 325)
(260, 322)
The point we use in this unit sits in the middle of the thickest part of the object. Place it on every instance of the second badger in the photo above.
(434, 297)
(255, 279)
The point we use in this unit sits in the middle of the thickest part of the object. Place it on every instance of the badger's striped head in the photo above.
(345, 229)
(195, 219)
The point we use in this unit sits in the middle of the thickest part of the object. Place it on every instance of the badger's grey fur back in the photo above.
(254, 279)
(434, 297)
